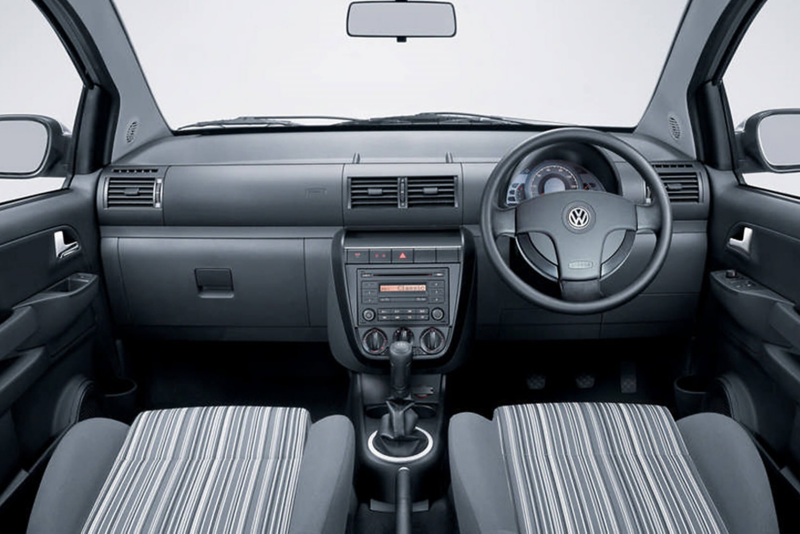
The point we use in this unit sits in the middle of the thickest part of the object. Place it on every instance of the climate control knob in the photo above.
(431, 341)
(403, 334)
(375, 342)
(437, 314)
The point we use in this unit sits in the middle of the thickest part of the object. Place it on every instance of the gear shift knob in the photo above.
(400, 354)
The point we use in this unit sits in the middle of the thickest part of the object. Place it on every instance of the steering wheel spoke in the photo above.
(648, 218)
(583, 291)
(504, 222)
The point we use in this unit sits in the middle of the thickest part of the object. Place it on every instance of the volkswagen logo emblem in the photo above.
(579, 218)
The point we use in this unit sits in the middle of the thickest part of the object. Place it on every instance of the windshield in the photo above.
(567, 61)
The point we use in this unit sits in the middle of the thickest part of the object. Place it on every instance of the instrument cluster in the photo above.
(549, 176)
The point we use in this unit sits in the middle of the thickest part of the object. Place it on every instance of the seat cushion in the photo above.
(602, 468)
(616, 468)
(218, 469)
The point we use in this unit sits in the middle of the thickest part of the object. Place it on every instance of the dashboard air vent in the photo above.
(431, 191)
(374, 192)
(682, 181)
(134, 188)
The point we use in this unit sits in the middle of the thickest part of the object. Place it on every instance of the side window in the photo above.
(764, 74)
(38, 78)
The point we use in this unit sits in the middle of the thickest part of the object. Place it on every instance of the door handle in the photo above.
(64, 249)
(742, 245)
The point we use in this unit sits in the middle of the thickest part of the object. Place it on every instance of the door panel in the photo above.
(774, 255)
(754, 325)
(50, 308)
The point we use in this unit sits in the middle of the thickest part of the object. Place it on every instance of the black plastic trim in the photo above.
(92, 112)
(535, 128)
(715, 145)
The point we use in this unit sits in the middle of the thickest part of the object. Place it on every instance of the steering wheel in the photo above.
(578, 223)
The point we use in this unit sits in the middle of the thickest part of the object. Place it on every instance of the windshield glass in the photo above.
(567, 61)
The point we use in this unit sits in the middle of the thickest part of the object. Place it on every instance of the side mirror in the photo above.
(31, 146)
(771, 141)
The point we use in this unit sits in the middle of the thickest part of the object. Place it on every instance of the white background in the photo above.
(585, 62)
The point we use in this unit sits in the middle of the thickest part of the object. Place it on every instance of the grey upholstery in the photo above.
(605, 468)
(326, 478)
(220, 469)
(75, 475)
(480, 486)
(731, 468)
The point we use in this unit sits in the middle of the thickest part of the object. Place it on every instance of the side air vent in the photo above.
(369, 192)
(682, 181)
(134, 188)
(431, 191)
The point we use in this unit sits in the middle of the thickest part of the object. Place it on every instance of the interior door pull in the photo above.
(64, 249)
(743, 244)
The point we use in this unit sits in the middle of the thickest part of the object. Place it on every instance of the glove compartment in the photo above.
(217, 285)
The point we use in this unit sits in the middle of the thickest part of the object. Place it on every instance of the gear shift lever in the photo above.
(398, 434)
(400, 355)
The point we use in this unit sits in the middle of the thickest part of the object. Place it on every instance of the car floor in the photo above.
(172, 374)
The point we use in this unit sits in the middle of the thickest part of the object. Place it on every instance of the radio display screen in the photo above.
(403, 288)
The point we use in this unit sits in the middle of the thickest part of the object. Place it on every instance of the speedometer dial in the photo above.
(550, 177)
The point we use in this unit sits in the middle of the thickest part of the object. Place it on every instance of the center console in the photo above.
(401, 301)
(410, 287)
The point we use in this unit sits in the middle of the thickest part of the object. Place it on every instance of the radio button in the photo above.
(425, 255)
(421, 310)
(384, 318)
(369, 285)
(424, 317)
(436, 283)
(402, 255)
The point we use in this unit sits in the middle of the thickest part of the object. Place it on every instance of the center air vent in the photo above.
(369, 192)
(431, 191)
(134, 188)
(682, 181)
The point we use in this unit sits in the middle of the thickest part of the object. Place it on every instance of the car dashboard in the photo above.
(359, 238)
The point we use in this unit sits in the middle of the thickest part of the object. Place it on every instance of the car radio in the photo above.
(414, 296)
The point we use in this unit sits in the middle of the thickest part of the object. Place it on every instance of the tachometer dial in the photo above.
(550, 177)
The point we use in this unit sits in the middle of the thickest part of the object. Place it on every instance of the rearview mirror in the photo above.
(771, 140)
(31, 146)
(401, 19)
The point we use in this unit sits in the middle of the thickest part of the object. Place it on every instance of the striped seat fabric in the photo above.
(201, 470)
(602, 468)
